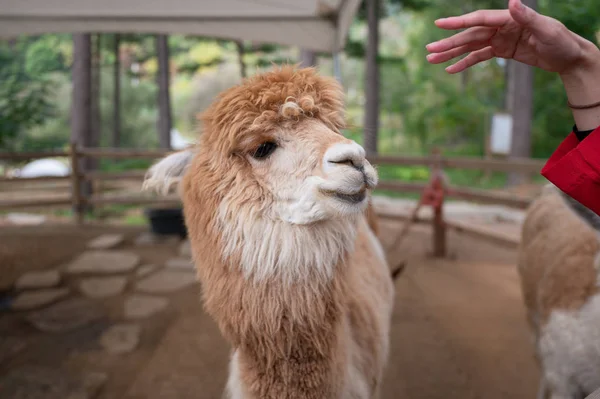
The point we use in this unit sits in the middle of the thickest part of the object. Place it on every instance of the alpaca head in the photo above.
(272, 161)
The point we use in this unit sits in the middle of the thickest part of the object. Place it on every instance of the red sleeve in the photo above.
(575, 169)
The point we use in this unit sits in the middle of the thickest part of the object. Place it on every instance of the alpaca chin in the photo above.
(269, 248)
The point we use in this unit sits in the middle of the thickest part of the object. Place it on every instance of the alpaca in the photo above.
(558, 267)
(277, 205)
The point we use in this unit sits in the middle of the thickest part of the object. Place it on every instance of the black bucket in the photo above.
(167, 221)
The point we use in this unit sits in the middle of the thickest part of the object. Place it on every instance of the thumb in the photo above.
(522, 14)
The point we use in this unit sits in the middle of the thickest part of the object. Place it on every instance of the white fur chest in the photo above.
(569, 347)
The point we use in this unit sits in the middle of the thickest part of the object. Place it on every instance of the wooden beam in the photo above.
(487, 197)
(25, 180)
(134, 200)
(406, 187)
(26, 156)
(515, 164)
(122, 153)
(484, 232)
(134, 175)
(35, 203)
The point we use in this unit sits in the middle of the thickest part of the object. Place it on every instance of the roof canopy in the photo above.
(319, 25)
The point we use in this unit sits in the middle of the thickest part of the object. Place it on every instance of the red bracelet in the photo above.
(594, 105)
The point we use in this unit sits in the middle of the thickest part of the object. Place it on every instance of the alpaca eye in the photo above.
(264, 150)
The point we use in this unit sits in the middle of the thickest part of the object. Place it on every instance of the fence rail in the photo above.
(78, 200)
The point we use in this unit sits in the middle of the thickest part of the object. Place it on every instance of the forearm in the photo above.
(582, 84)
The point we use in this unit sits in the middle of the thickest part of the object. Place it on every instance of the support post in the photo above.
(337, 69)
(438, 224)
(76, 185)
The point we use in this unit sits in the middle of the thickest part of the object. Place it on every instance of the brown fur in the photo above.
(372, 218)
(556, 259)
(292, 339)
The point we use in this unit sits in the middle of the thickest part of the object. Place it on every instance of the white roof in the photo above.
(319, 25)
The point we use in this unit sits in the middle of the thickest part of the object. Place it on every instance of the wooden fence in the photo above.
(78, 201)
(77, 198)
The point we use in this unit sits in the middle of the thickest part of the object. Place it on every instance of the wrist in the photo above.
(582, 84)
(582, 78)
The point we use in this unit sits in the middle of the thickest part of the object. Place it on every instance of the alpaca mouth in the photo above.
(354, 198)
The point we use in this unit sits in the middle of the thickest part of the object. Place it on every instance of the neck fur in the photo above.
(273, 249)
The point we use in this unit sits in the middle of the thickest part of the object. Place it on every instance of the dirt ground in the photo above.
(458, 328)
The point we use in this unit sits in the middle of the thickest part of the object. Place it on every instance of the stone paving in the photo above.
(102, 287)
(36, 382)
(66, 316)
(40, 279)
(73, 298)
(121, 338)
(103, 262)
(166, 281)
(139, 306)
(35, 299)
(106, 241)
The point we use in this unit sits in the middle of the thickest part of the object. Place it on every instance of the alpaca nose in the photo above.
(349, 154)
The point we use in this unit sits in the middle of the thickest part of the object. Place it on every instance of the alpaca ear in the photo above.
(168, 171)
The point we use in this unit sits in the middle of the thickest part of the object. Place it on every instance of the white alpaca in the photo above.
(274, 201)
(558, 266)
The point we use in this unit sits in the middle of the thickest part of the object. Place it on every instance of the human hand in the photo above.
(518, 33)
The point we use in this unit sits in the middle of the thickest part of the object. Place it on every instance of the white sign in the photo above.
(501, 135)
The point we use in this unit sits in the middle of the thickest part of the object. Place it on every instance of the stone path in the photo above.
(41, 279)
(99, 273)
(166, 281)
(35, 299)
(121, 338)
(180, 263)
(106, 241)
(145, 270)
(103, 262)
(36, 382)
(102, 287)
(147, 238)
(66, 316)
(138, 306)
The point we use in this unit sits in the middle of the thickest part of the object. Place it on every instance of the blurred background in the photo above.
(84, 114)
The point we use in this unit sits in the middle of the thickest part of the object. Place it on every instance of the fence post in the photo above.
(438, 224)
(76, 185)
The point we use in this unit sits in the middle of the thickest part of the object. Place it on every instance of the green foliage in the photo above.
(24, 94)
(421, 105)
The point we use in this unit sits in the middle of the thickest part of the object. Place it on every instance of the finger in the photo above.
(488, 18)
(472, 59)
(477, 34)
(438, 58)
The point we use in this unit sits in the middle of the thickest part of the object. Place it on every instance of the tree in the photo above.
(240, 53)
(81, 117)
(116, 125)
(307, 58)
(520, 89)
(164, 99)
(371, 125)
